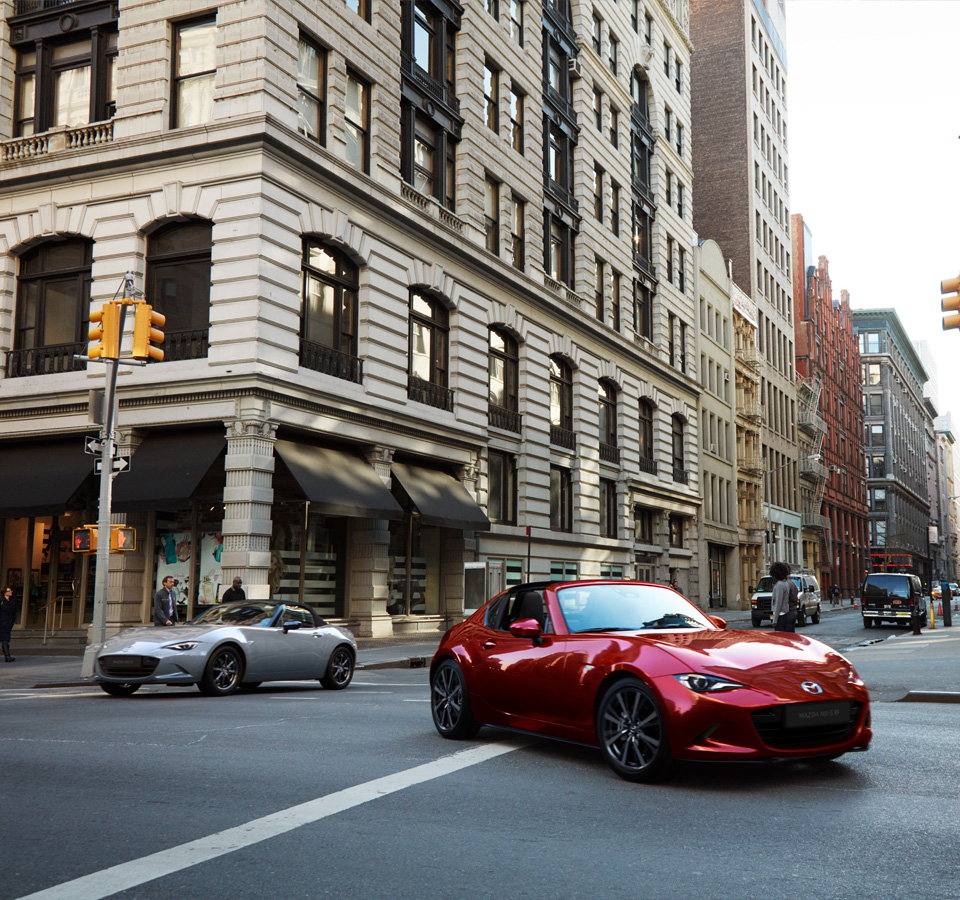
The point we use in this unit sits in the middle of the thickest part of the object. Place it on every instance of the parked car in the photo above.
(231, 646)
(640, 672)
(936, 591)
(808, 599)
(891, 597)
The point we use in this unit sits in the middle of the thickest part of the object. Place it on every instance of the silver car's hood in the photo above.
(155, 637)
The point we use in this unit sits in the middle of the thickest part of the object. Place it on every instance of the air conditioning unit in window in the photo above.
(575, 67)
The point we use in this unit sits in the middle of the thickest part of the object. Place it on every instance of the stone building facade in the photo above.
(428, 278)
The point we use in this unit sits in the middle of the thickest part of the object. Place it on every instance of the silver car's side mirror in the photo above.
(287, 626)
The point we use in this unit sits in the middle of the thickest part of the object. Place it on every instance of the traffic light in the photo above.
(146, 332)
(951, 304)
(105, 331)
(84, 539)
(123, 538)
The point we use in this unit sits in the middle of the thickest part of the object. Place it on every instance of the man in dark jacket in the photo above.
(165, 604)
(234, 594)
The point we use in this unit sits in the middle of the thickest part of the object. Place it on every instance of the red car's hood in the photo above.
(778, 662)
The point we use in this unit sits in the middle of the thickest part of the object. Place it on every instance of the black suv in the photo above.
(891, 596)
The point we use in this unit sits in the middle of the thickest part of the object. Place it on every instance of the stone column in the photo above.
(248, 498)
(370, 561)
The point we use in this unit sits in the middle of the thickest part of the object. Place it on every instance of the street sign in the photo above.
(94, 446)
(118, 464)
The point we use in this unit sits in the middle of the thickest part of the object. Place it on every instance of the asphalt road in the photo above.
(294, 792)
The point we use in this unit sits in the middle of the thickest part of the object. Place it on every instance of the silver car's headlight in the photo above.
(707, 684)
(183, 645)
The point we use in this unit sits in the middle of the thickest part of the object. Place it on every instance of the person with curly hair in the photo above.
(785, 598)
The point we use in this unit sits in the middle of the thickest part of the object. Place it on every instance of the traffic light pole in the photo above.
(99, 630)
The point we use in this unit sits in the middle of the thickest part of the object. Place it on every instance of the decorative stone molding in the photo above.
(563, 345)
(505, 315)
(381, 458)
(432, 277)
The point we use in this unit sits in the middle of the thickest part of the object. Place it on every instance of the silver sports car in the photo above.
(231, 646)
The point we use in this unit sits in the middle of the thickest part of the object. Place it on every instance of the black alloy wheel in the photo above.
(339, 669)
(449, 703)
(632, 732)
(223, 672)
(119, 690)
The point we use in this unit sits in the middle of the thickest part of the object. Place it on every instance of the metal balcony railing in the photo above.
(435, 395)
(647, 465)
(185, 344)
(813, 468)
(681, 476)
(46, 360)
(503, 418)
(609, 453)
(563, 437)
(330, 362)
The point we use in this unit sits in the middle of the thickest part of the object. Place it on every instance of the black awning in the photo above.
(37, 478)
(338, 483)
(440, 498)
(166, 469)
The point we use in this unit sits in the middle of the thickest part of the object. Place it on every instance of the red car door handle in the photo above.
(488, 644)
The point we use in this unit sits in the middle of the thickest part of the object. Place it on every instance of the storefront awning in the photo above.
(440, 498)
(166, 469)
(37, 478)
(338, 483)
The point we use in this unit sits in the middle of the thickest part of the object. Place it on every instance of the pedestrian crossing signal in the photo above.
(122, 538)
(84, 539)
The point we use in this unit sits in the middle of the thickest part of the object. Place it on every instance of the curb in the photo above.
(930, 697)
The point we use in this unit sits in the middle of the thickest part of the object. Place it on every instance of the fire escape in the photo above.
(812, 470)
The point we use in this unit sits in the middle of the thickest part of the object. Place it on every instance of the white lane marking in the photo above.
(130, 874)
(418, 700)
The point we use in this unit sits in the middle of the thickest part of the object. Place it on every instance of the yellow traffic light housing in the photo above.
(84, 539)
(105, 331)
(146, 332)
(122, 538)
(951, 304)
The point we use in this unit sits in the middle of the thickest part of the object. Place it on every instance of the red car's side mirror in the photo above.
(527, 628)
(716, 620)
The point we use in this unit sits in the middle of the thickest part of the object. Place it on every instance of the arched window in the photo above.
(679, 472)
(429, 351)
(178, 285)
(328, 318)
(647, 461)
(503, 378)
(53, 303)
(561, 403)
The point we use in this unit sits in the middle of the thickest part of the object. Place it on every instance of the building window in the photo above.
(53, 300)
(561, 570)
(491, 91)
(608, 508)
(645, 445)
(598, 108)
(679, 139)
(559, 250)
(669, 260)
(676, 531)
(678, 76)
(516, 21)
(360, 7)
(429, 340)
(493, 7)
(561, 402)
(648, 32)
(502, 488)
(666, 59)
(516, 119)
(681, 269)
(328, 318)
(607, 410)
(642, 310)
(640, 162)
(676, 432)
(871, 373)
(491, 215)
(517, 212)
(614, 56)
(311, 91)
(561, 499)
(598, 193)
(597, 31)
(869, 341)
(598, 280)
(614, 127)
(642, 226)
(615, 209)
(680, 199)
(356, 122)
(195, 67)
(504, 367)
(615, 300)
(178, 286)
(642, 525)
(668, 124)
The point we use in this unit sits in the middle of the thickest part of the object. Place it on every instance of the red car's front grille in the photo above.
(124, 666)
(779, 729)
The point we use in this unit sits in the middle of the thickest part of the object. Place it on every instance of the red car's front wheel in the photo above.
(449, 702)
(632, 733)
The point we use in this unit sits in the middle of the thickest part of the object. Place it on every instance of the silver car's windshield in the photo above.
(626, 607)
(238, 614)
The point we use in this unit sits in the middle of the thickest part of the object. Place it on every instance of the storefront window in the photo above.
(413, 576)
(197, 577)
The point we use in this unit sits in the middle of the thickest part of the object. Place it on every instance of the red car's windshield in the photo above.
(626, 607)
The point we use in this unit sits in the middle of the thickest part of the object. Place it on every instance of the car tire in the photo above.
(756, 622)
(801, 617)
(815, 618)
(223, 673)
(339, 669)
(118, 690)
(450, 703)
(867, 623)
(632, 732)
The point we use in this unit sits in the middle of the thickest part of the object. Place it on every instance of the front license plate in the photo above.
(807, 715)
(130, 661)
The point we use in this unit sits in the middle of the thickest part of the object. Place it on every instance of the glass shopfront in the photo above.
(188, 547)
(413, 576)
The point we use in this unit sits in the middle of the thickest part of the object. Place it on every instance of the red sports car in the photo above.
(639, 671)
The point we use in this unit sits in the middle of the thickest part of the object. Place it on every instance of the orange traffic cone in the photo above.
(855, 603)
(939, 608)
(956, 608)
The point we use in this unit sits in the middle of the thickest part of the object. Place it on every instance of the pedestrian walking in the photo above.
(8, 615)
(165, 604)
(236, 593)
(784, 599)
(676, 586)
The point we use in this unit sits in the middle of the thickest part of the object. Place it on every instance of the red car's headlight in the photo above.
(707, 684)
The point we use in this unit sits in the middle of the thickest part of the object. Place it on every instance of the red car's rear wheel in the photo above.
(632, 732)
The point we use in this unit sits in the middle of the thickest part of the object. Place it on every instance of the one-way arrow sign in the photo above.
(119, 464)
(94, 446)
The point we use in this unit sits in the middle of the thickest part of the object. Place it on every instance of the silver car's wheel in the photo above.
(449, 702)
(339, 669)
(223, 672)
(118, 690)
(632, 733)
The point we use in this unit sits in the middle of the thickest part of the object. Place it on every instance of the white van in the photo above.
(808, 599)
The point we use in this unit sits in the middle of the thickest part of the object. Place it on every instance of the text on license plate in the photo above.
(806, 715)
(125, 661)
